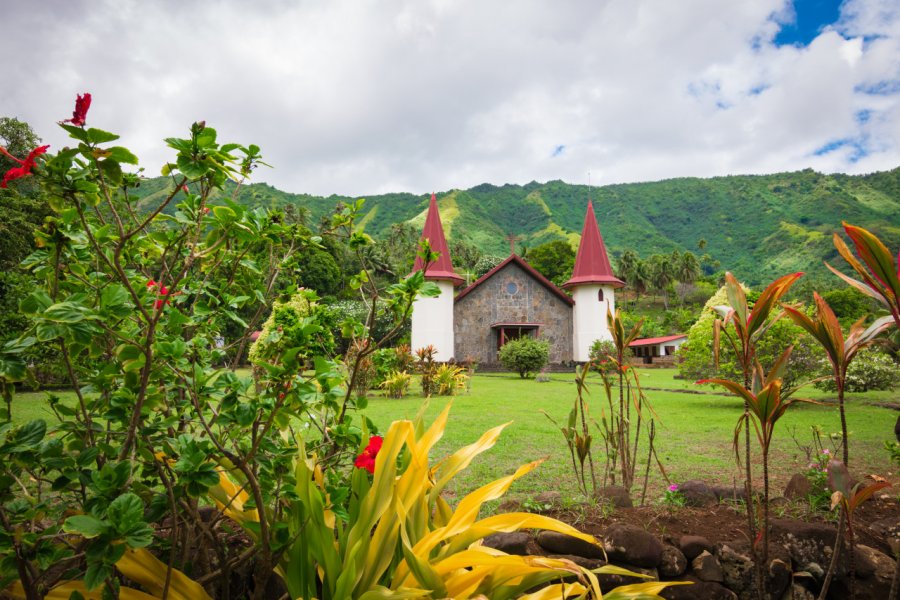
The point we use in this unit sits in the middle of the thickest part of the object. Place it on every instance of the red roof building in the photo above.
(591, 262)
(442, 268)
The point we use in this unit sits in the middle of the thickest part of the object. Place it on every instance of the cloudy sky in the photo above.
(361, 97)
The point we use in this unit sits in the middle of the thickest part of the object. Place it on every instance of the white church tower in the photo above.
(432, 318)
(593, 288)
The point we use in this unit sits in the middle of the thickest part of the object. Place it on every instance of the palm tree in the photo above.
(663, 274)
(640, 279)
(627, 264)
(688, 271)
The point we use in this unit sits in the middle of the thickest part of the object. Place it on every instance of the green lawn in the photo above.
(694, 431)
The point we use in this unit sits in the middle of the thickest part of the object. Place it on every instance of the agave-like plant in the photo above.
(880, 274)
(403, 540)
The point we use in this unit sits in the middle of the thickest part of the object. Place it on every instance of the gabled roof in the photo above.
(442, 268)
(514, 258)
(591, 263)
(657, 340)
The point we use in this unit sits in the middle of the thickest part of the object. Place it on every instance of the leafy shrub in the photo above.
(872, 369)
(396, 384)
(365, 368)
(391, 360)
(427, 366)
(449, 379)
(525, 355)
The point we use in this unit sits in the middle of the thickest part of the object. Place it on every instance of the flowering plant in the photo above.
(674, 496)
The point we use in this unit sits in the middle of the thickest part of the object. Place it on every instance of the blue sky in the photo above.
(419, 95)
(808, 19)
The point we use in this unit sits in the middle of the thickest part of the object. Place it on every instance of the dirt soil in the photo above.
(726, 522)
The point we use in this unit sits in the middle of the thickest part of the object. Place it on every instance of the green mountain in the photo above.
(757, 226)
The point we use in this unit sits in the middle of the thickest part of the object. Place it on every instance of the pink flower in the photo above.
(366, 460)
(25, 165)
(673, 487)
(79, 115)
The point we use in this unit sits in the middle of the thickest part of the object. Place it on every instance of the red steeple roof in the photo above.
(442, 268)
(591, 263)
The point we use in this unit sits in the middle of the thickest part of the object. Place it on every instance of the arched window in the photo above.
(600, 294)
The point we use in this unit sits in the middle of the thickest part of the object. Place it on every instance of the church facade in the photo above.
(514, 300)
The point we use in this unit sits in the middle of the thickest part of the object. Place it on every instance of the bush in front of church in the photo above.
(526, 356)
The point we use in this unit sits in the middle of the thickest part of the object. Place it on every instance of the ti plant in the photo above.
(840, 350)
(747, 327)
(767, 401)
(848, 498)
(880, 274)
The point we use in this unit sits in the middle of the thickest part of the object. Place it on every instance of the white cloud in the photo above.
(361, 98)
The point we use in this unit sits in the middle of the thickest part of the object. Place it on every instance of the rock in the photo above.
(897, 429)
(632, 545)
(609, 581)
(779, 578)
(798, 488)
(509, 506)
(809, 545)
(697, 493)
(587, 563)
(875, 571)
(798, 592)
(693, 545)
(512, 543)
(548, 497)
(673, 562)
(560, 543)
(707, 568)
(698, 590)
(736, 567)
(617, 495)
(725, 494)
(889, 528)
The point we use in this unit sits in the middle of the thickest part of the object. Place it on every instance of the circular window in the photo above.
(512, 288)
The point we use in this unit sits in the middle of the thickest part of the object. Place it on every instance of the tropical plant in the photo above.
(880, 274)
(450, 379)
(602, 355)
(396, 384)
(825, 328)
(748, 326)
(526, 355)
(400, 538)
(427, 366)
(767, 401)
(848, 498)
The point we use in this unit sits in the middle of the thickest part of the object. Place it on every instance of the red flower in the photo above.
(366, 460)
(82, 104)
(25, 165)
(163, 291)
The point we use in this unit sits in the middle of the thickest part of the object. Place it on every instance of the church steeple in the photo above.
(591, 262)
(442, 268)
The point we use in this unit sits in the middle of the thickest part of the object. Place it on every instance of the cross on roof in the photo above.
(512, 239)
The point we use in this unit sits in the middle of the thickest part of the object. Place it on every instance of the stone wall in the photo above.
(491, 302)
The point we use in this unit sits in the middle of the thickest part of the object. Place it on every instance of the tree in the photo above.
(555, 260)
(627, 265)
(486, 263)
(662, 275)
(688, 271)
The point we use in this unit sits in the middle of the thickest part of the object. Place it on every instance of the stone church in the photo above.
(512, 300)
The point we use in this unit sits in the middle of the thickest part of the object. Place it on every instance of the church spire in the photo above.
(591, 262)
(442, 268)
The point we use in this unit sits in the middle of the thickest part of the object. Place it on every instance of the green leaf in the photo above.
(66, 312)
(111, 170)
(35, 303)
(24, 438)
(87, 526)
(77, 133)
(98, 136)
(125, 512)
(223, 213)
(96, 574)
(122, 155)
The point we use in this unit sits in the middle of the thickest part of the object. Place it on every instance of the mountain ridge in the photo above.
(757, 226)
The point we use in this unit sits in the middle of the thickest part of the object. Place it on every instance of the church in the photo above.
(513, 300)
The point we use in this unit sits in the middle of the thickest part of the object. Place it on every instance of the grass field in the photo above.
(694, 431)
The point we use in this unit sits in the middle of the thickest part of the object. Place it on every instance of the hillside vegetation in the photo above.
(758, 226)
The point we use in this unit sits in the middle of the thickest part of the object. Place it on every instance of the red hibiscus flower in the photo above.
(24, 167)
(366, 460)
(163, 291)
(79, 115)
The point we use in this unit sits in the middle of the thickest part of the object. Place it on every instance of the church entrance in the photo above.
(507, 332)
